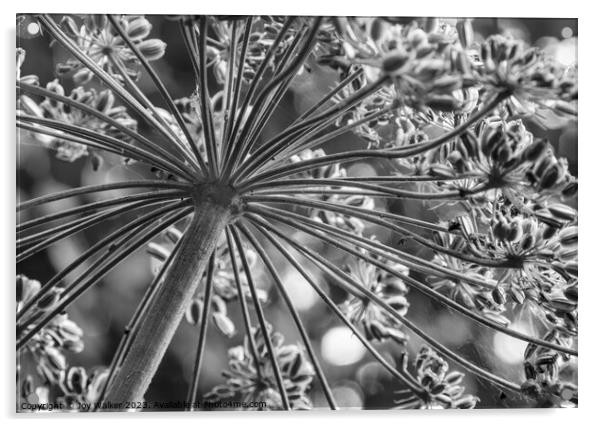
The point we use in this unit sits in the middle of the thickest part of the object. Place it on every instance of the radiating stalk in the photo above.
(334, 183)
(294, 314)
(344, 278)
(100, 188)
(64, 230)
(242, 297)
(232, 155)
(110, 241)
(407, 259)
(205, 103)
(401, 376)
(180, 164)
(101, 204)
(353, 155)
(64, 131)
(392, 255)
(281, 141)
(198, 360)
(162, 90)
(262, 322)
(59, 35)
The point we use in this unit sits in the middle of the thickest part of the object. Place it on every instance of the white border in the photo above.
(590, 76)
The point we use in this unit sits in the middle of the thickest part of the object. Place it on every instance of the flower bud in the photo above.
(152, 49)
(562, 212)
(563, 305)
(82, 76)
(157, 251)
(572, 268)
(517, 295)
(26, 288)
(224, 324)
(527, 242)
(193, 313)
(567, 253)
(394, 61)
(105, 102)
(76, 379)
(570, 189)
(417, 37)
(69, 26)
(445, 103)
(568, 236)
(550, 176)
(499, 295)
(465, 32)
(534, 151)
(138, 29)
(447, 83)
(173, 234)
(572, 293)
(466, 402)
(470, 144)
(49, 300)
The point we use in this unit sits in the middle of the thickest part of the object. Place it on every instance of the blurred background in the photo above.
(358, 381)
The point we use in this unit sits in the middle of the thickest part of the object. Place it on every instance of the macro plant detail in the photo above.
(440, 194)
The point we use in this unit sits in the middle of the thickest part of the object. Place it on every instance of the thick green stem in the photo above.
(167, 308)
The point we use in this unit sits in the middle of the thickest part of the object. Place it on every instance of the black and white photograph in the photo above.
(233, 212)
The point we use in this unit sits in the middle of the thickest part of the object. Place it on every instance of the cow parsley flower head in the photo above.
(95, 36)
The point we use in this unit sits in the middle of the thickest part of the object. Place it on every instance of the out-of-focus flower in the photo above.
(378, 324)
(256, 380)
(59, 335)
(103, 102)
(533, 79)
